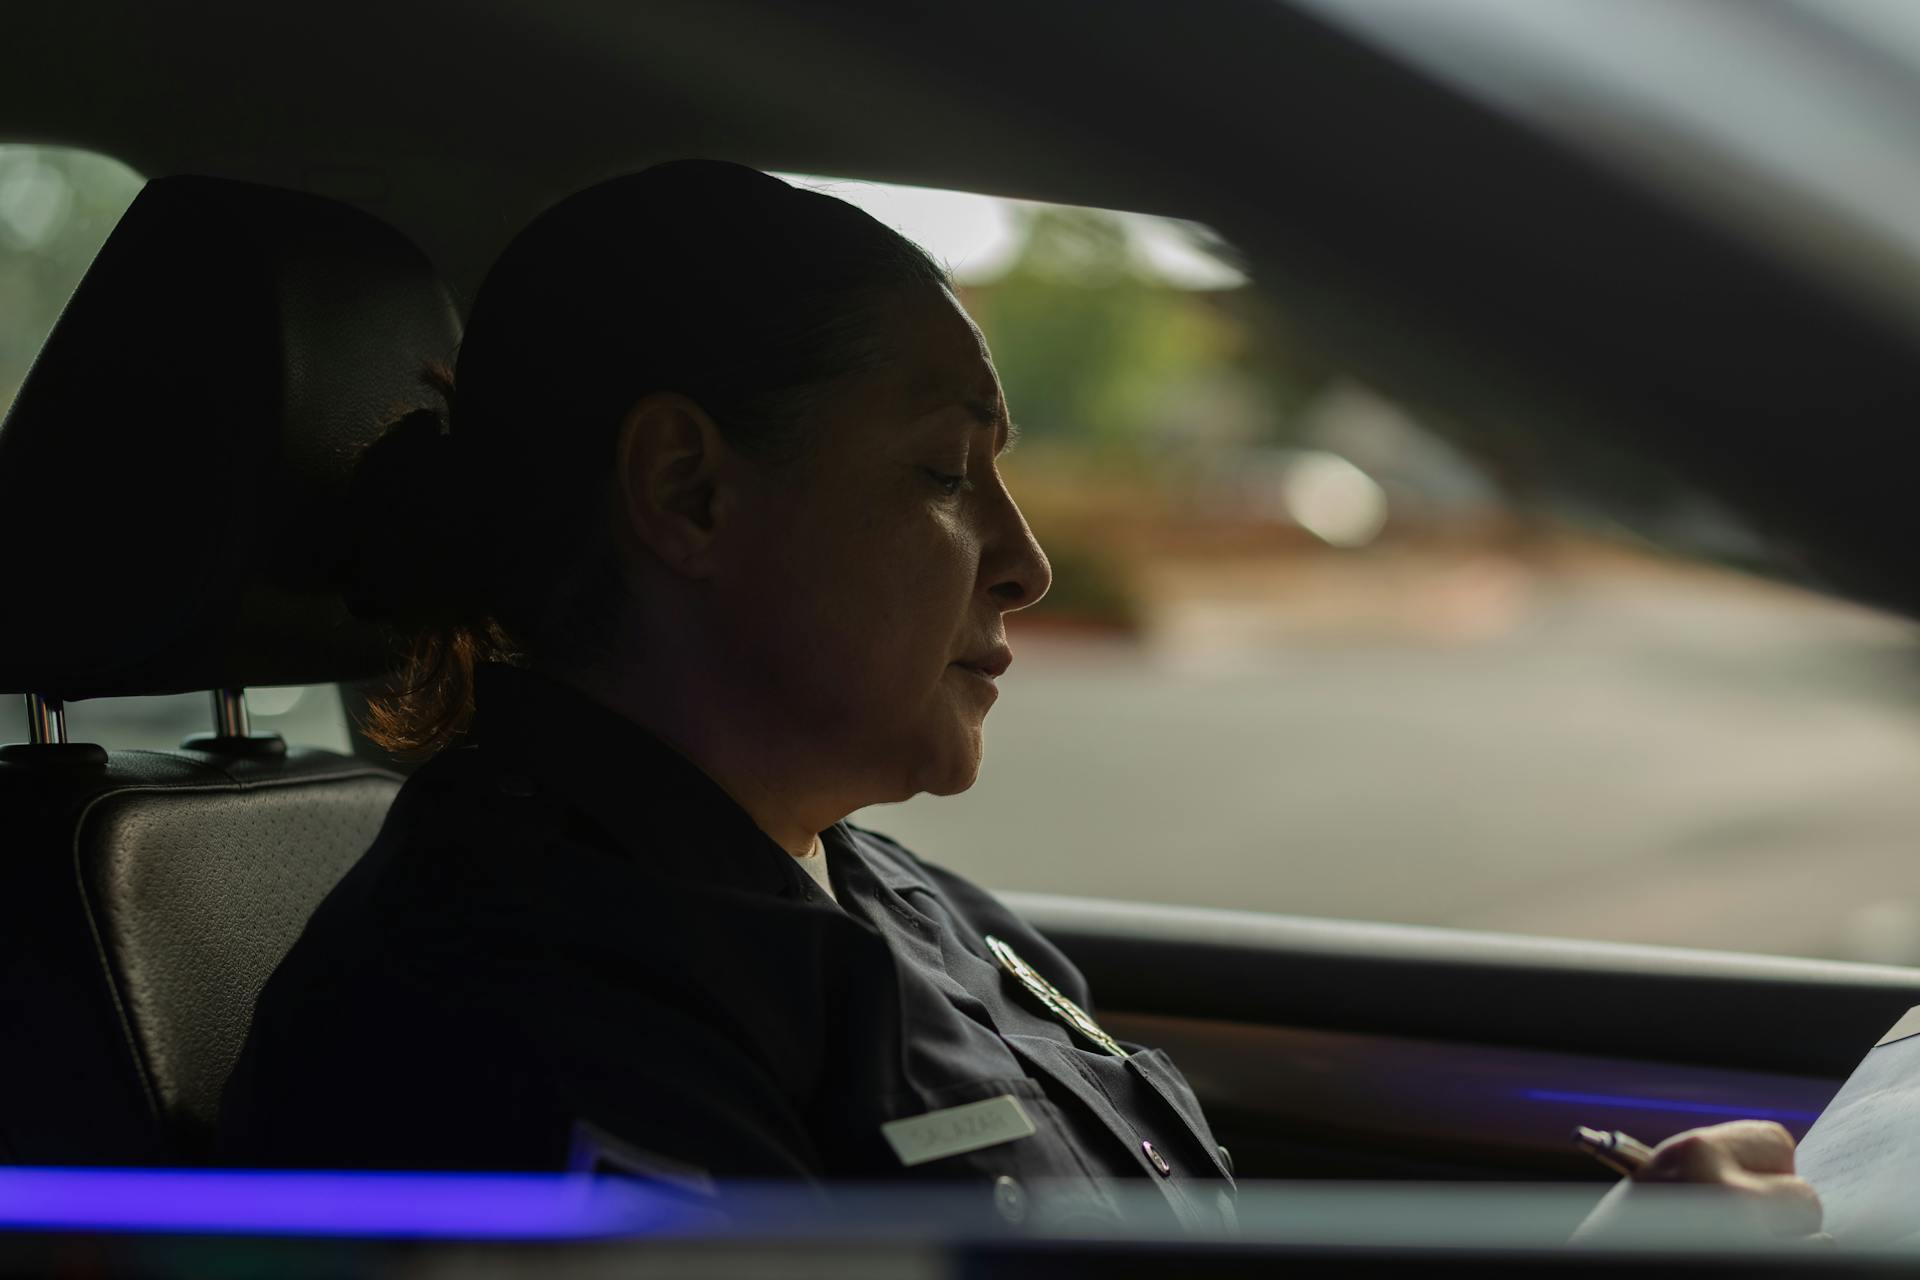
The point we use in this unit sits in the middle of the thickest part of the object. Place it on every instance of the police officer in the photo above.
(710, 549)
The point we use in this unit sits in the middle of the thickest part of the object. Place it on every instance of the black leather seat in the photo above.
(204, 396)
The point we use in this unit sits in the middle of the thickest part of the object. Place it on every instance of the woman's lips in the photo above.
(977, 676)
(991, 664)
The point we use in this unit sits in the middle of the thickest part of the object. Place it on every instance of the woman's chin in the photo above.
(955, 765)
(954, 787)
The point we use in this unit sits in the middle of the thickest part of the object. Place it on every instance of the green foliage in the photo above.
(1094, 351)
(1083, 344)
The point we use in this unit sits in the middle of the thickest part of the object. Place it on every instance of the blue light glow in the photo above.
(1668, 1104)
(463, 1206)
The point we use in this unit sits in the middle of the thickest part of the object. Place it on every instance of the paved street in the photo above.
(1663, 760)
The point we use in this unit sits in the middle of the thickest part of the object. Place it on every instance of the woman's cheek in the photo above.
(942, 584)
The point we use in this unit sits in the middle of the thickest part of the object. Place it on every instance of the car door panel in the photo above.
(1344, 1048)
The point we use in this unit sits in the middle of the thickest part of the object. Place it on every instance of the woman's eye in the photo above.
(949, 484)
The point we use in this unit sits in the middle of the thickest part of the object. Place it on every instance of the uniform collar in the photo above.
(547, 737)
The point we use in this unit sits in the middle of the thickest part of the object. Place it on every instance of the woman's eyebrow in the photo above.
(988, 414)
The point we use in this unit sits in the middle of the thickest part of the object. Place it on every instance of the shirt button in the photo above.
(1226, 1159)
(1010, 1198)
(1158, 1161)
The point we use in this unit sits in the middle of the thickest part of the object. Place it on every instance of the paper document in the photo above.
(1863, 1153)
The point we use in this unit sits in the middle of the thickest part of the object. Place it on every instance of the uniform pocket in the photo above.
(1157, 1069)
(995, 1157)
(1044, 1165)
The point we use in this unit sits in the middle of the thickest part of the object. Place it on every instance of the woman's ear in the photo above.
(669, 458)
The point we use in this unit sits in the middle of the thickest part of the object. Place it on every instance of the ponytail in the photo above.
(417, 569)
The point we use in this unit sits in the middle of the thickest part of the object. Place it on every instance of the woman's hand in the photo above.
(1750, 1159)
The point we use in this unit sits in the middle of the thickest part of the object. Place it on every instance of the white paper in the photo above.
(1863, 1153)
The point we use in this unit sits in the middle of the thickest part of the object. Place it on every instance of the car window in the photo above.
(1314, 650)
(57, 206)
(1311, 649)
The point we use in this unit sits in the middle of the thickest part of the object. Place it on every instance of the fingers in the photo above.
(1749, 1205)
(1751, 1158)
(1780, 1203)
(1714, 1153)
(1764, 1146)
(1786, 1205)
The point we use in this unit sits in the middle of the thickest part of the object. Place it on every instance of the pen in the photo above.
(1613, 1149)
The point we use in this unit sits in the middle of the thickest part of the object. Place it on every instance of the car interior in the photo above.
(166, 885)
(327, 186)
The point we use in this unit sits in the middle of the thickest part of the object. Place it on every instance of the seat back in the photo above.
(146, 904)
(227, 357)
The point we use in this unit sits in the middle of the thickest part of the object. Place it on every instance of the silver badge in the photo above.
(1049, 995)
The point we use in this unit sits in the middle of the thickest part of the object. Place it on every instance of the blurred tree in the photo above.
(1095, 351)
(1085, 344)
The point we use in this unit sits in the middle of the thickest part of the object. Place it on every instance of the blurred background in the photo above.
(1309, 649)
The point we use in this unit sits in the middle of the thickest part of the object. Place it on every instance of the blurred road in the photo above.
(1689, 761)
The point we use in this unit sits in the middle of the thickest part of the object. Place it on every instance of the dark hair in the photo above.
(484, 531)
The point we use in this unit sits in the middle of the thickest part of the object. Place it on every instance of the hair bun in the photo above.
(413, 554)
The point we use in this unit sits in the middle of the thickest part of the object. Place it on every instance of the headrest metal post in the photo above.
(230, 718)
(46, 720)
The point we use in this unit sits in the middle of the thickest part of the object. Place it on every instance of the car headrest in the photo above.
(173, 472)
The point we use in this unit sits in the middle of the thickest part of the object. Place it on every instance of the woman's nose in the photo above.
(1019, 575)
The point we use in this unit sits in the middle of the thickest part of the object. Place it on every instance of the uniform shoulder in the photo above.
(902, 868)
(969, 907)
(902, 862)
(458, 864)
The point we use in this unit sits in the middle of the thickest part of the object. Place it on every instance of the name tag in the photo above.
(967, 1127)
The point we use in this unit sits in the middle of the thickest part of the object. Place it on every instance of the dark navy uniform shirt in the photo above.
(566, 923)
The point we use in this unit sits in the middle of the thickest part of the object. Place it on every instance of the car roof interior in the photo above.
(1442, 249)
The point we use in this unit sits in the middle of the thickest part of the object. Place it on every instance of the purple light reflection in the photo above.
(465, 1206)
(1668, 1104)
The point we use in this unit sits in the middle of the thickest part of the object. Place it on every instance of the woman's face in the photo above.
(869, 583)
